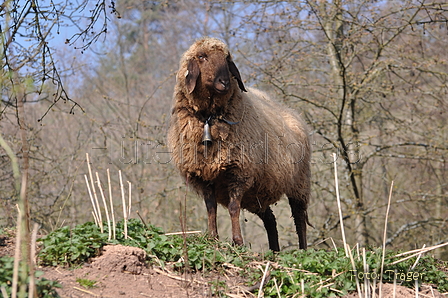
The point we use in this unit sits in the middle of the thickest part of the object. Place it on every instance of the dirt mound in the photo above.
(121, 272)
(119, 258)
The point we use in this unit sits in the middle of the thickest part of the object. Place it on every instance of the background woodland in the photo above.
(369, 77)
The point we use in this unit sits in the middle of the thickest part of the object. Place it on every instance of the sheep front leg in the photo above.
(234, 211)
(210, 203)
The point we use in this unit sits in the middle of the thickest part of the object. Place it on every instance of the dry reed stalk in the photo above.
(339, 204)
(125, 219)
(263, 280)
(394, 294)
(418, 252)
(130, 199)
(332, 241)
(302, 286)
(105, 204)
(95, 212)
(15, 272)
(277, 288)
(4, 293)
(418, 258)
(366, 270)
(416, 288)
(94, 218)
(100, 219)
(384, 239)
(358, 287)
(111, 204)
(32, 287)
(181, 233)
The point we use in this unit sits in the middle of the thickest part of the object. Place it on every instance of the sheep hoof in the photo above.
(238, 241)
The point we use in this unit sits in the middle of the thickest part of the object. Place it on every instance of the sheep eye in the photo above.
(202, 57)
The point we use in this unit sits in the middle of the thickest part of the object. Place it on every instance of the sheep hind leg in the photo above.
(298, 209)
(270, 225)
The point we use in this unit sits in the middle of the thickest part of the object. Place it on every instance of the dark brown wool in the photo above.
(259, 149)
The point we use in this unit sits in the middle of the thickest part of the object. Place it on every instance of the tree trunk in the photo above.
(335, 35)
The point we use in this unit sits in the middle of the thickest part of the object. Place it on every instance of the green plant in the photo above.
(316, 273)
(86, 283)
(320, 273)
(67, 246)
(45, 288)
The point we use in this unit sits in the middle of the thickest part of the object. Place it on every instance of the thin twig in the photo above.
(105, 204)
(111, 203)
(95, 213)
(366, 270)
(339, 204)
(395, 284)
(181, 233)
(416, 254)
(15, 273)
(100, 219)
(4, 293)
(384, 238)
(358, 287)
(130, 199)
(141, 218)
(125, 219)
(418, 258)
(85, 291)
(277, 288)
(263, 280)
(421, 249)
(32, 287)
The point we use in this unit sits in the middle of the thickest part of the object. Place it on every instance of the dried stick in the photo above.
(32, 287)
(125, 219)
(418, 258)
(395, 284)
(95, 212)
(130, 199)
(111, 204)
(366, 270)
(277, 288)
(15, 272)
(263, 280)
(105, 205)
(100, 219)
(358, 287)
(181, 233)
(95, 219)
(302, 286)
(418, 251)
(4, 293)
(85, 291)
(384, 238)
(339, 204)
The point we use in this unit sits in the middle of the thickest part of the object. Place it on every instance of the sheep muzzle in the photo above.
(221, 83)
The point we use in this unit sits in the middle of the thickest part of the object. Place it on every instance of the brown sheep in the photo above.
(235, 146)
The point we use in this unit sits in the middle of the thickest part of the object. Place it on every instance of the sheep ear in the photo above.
(192, 75)
(236, 73)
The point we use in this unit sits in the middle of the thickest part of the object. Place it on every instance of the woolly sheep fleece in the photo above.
(260, 148)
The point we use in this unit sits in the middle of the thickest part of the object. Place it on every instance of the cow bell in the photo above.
(207, 137)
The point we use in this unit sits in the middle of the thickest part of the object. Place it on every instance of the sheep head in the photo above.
(209, 69)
